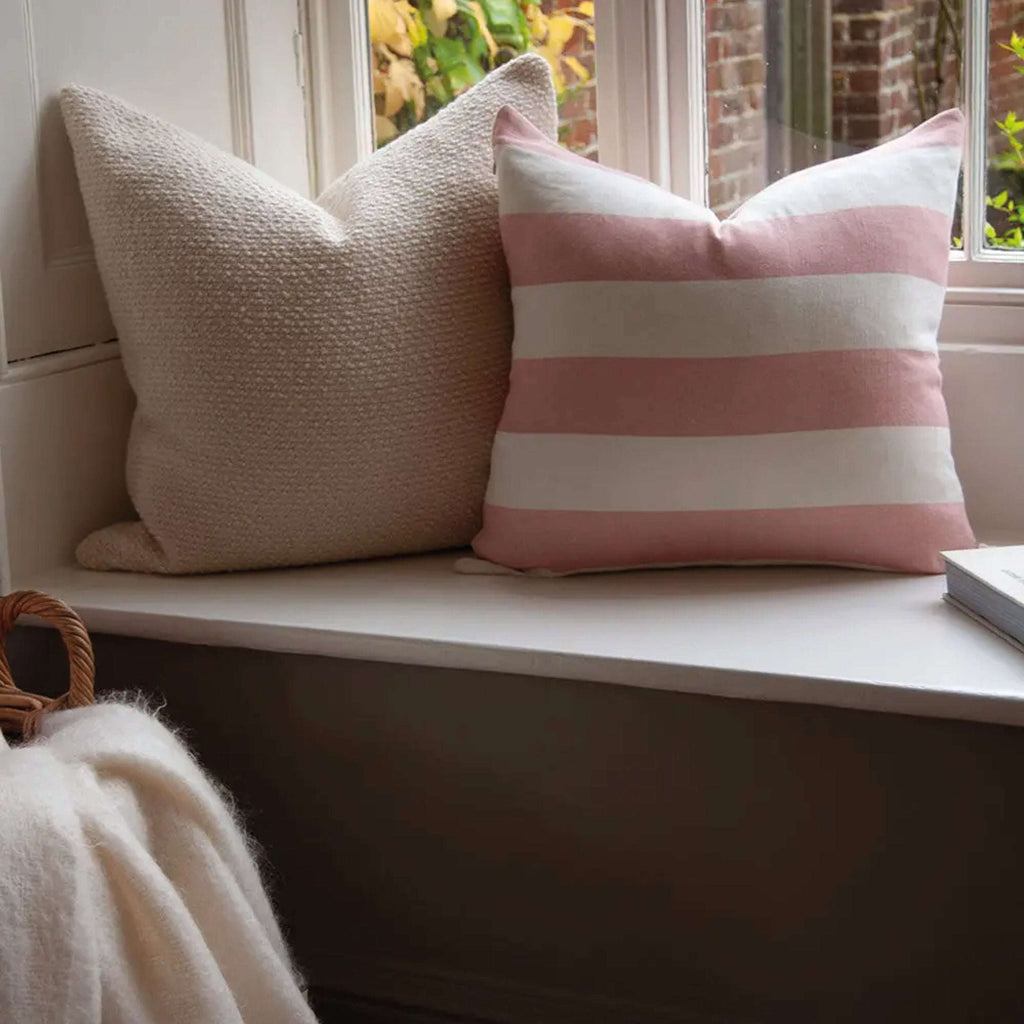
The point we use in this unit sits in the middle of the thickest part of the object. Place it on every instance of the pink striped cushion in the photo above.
(764, 388)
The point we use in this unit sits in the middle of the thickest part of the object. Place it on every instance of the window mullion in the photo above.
(650, 60)
(687, 104)
(625, 118)
(975, 73)
(339, 106)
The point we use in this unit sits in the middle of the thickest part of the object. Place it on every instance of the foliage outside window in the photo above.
(1004, 223)
(427, 52)
(1004, 227)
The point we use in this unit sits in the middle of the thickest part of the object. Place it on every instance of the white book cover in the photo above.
(1002, 569)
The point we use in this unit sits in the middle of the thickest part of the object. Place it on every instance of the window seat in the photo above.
(838, 637)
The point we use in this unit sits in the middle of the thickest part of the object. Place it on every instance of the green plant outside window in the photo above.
(427, 52)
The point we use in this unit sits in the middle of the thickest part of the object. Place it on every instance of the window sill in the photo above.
(837, 637)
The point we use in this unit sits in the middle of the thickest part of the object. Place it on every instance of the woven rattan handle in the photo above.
(20, 711)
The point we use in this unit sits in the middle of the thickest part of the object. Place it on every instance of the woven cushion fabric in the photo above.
(760, 389)
(315, 381)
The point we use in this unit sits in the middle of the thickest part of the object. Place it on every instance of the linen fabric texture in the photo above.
(760, 389)
(315, 381)
(128, 893)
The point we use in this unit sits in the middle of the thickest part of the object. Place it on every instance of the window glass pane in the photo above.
(427, 52)
(791, 83)
(1004, 226)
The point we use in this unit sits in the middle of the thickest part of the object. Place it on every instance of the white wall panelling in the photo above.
(62, 445)
(229, 71)
(983, 384)
(225, 71)
(236, 37)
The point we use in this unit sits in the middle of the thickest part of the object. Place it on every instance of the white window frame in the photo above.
(985, 299)
(339, 86)
(986, 286)
(650, 119)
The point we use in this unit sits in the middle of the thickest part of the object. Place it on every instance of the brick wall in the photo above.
(886, 78)
(735, 91)
(886, 73)
(577, 113)
(1006, 87)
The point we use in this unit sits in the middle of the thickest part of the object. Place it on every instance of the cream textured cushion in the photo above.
(315, 381)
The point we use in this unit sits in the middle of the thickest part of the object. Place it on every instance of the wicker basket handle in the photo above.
(20, 711)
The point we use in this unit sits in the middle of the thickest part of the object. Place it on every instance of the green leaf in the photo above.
(477, 49)
(507, 22)
(1015, 46)
(990, 232)
(1010, 125)
(458, 67)
(439, 91)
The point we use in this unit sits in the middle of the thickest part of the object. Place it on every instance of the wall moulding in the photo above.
(239, 80)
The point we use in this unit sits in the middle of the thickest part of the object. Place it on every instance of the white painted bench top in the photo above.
(838, 637)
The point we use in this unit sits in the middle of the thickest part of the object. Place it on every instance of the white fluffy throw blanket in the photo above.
(127, 892)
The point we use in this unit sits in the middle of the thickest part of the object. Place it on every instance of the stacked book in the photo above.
(988, 585)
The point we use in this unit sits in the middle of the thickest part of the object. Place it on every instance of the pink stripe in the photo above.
(715, 397)
(550, 248)
(512, 129)
(906, 538)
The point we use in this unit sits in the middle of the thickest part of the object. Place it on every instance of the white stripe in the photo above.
(534, 182)
(705, 319)
(863, 466)
(922, 177)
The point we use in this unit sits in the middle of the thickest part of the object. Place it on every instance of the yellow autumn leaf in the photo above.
(379, 14)
(393, 101)
(387, 27)
(560, 30)
(402, 86)
(538, 23)
(438, 14)
(413, 24)
(384, 130)
(437, 26)
(586, 8)
(553, 57)
(578, 69)
(389, 99)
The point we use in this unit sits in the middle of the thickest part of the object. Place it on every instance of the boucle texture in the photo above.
(315, 381)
